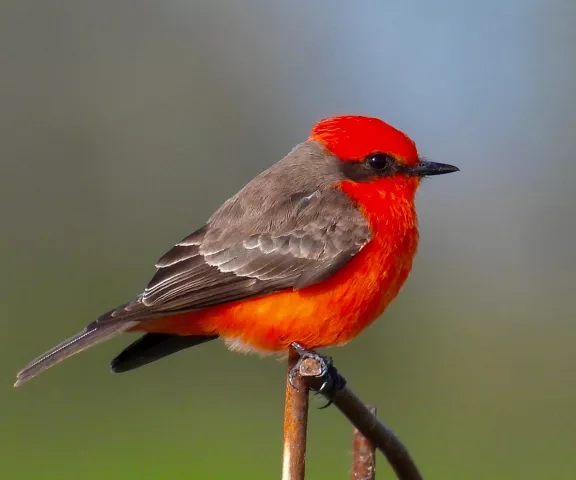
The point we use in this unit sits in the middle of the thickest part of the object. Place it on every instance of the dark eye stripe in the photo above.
(374, 165)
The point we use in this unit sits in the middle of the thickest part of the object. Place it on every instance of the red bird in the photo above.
(311, 251)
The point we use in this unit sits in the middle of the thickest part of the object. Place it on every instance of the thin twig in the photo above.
(365, 421)
(295, 424)
(363, 455)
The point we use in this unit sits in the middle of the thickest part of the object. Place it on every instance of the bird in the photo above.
(309, 252)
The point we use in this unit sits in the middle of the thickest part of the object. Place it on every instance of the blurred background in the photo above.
(116, 119)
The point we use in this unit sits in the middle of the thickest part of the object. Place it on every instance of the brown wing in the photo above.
(214, 266)
(225, 262)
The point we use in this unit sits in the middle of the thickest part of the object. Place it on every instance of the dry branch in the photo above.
(363, 456)
(295, 424)
(383, 438)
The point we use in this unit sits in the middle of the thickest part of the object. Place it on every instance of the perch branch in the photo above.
(383, 438)
(295, 424)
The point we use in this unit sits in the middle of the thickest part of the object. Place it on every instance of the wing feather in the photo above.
(220, 263)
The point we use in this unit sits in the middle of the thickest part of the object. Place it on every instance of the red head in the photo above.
(373, 148)
(353, 138)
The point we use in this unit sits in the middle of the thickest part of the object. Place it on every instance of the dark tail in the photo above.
(89, 337)
(152, 347)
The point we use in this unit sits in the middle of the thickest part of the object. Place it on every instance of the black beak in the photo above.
(424, 168)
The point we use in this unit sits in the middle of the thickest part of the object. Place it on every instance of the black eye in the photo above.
(380, 161)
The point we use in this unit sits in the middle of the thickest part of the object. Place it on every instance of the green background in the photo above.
(124, 124)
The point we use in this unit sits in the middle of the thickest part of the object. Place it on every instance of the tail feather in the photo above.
(89, 337)
(154, 346)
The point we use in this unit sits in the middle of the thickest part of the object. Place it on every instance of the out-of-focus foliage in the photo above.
(124, 124)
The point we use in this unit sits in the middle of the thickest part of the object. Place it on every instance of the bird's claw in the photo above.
(293, 374)
(332, 380)
(332, 384)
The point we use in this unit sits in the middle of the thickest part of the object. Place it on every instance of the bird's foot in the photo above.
(324, 371)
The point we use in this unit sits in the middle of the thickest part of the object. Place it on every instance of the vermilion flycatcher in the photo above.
(310, 251)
